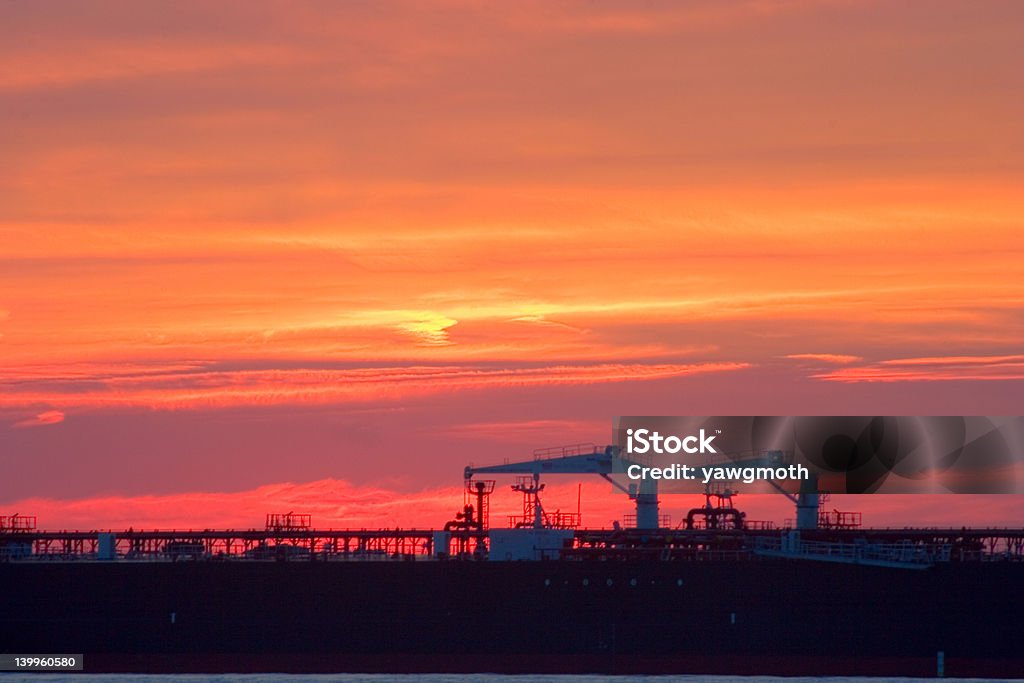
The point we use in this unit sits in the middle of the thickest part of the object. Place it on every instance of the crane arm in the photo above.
(598, 462)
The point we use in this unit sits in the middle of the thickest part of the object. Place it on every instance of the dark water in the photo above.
(449, 678)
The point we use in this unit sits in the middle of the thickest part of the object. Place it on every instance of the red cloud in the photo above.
(932, 369)
(210, 387)
(49, 417)
(838, 358)
(334, 503)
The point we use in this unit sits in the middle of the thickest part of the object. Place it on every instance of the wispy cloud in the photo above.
(958, 360)
(213, 387)
(49, 417)
(430, 330)
(838, 358)
(131, 58)
(652, 20)
(932, 369)
(529, 431)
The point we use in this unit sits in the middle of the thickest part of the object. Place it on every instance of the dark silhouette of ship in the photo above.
(716, 594)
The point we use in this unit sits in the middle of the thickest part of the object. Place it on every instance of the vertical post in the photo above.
(647, 505)
(807, 503)
(538, 511)
(940, 664)
(106, 546)
(481, 513)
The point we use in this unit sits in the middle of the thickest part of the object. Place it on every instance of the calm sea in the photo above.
(449, 678)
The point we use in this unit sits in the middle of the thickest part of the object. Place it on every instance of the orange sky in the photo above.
(249, 243)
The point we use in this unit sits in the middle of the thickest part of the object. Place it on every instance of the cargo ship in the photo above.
(714, 594)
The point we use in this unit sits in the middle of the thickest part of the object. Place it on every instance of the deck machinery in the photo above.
(609, 461)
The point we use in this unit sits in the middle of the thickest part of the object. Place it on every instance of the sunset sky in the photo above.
(272, 256)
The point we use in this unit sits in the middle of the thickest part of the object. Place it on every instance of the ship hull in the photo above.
(779, 617)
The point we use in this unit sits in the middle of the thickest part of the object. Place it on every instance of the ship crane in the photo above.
(807, 501)
(590, 459)
(583, 459)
